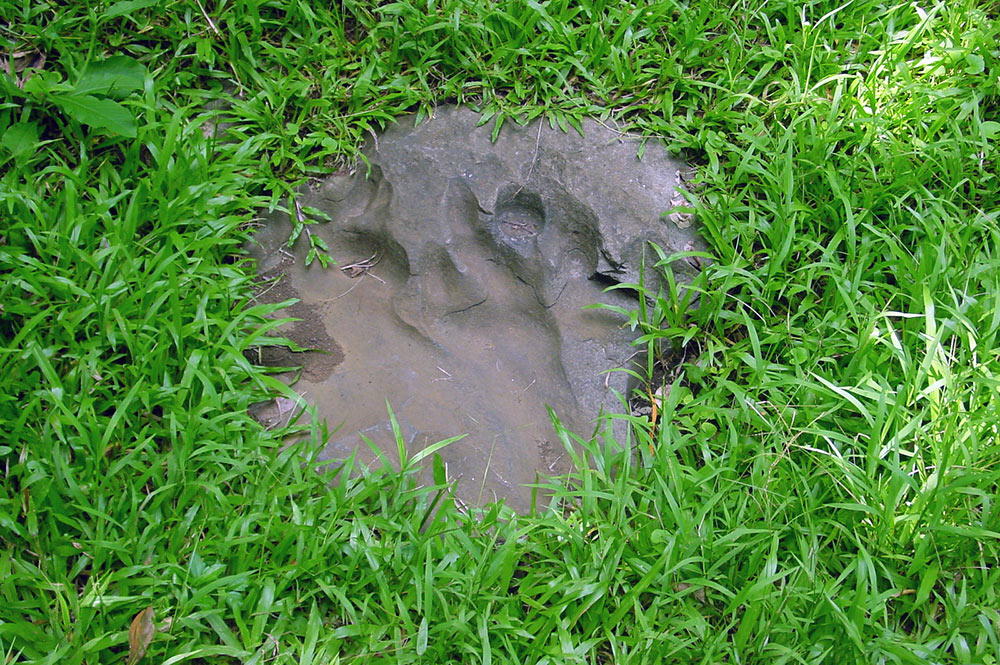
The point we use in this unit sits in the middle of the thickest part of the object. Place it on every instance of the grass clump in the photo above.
(820, 484)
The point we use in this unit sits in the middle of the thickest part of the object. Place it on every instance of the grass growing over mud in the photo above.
(822, 484)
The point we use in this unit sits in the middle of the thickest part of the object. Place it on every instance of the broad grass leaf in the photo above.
(976, 64)
(117, 76)
(140, 634)
(100, 113)
(434, 447)
(20, 138)
(927, 580)
(41, 85)
(127, 7)
(440, 475)
(422, 637)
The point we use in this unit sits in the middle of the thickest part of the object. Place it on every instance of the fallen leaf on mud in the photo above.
(140, 634)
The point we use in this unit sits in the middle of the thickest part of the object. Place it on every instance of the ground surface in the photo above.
(818, 485)
(467, 274)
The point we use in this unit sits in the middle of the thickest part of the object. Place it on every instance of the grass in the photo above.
(821, 485)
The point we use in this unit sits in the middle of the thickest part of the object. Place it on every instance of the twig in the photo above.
(291, 411)
(356, 284)
(628, 135)
(264, 291)
(486, 471)
(447, 376)
(534, 159)
(300, 216)
(208, 18)
(364, 267)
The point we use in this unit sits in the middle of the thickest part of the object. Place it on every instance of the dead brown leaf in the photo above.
(698, 593)
(20, 61)
(140, 634)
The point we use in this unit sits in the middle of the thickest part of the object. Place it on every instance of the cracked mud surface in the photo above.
(465, 308)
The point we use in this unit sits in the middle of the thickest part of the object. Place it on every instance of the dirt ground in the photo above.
(322, 353)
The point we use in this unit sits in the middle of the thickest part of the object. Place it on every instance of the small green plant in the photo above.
(318, 248)
(667, 332)
(94, 100)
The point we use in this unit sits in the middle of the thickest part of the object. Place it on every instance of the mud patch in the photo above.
(464, 288)
(322, 352)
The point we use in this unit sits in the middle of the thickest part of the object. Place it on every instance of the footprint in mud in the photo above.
(464, 271)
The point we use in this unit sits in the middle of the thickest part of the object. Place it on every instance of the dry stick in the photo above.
(361, 267)
(291, 411)
(628, 135)
(268, 289)
(208, 18)
(356, 284)
(486, 471)
(534, 159)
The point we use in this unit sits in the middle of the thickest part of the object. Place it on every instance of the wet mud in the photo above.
(462, 294)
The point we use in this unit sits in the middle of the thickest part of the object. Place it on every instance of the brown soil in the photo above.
(323, 353)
